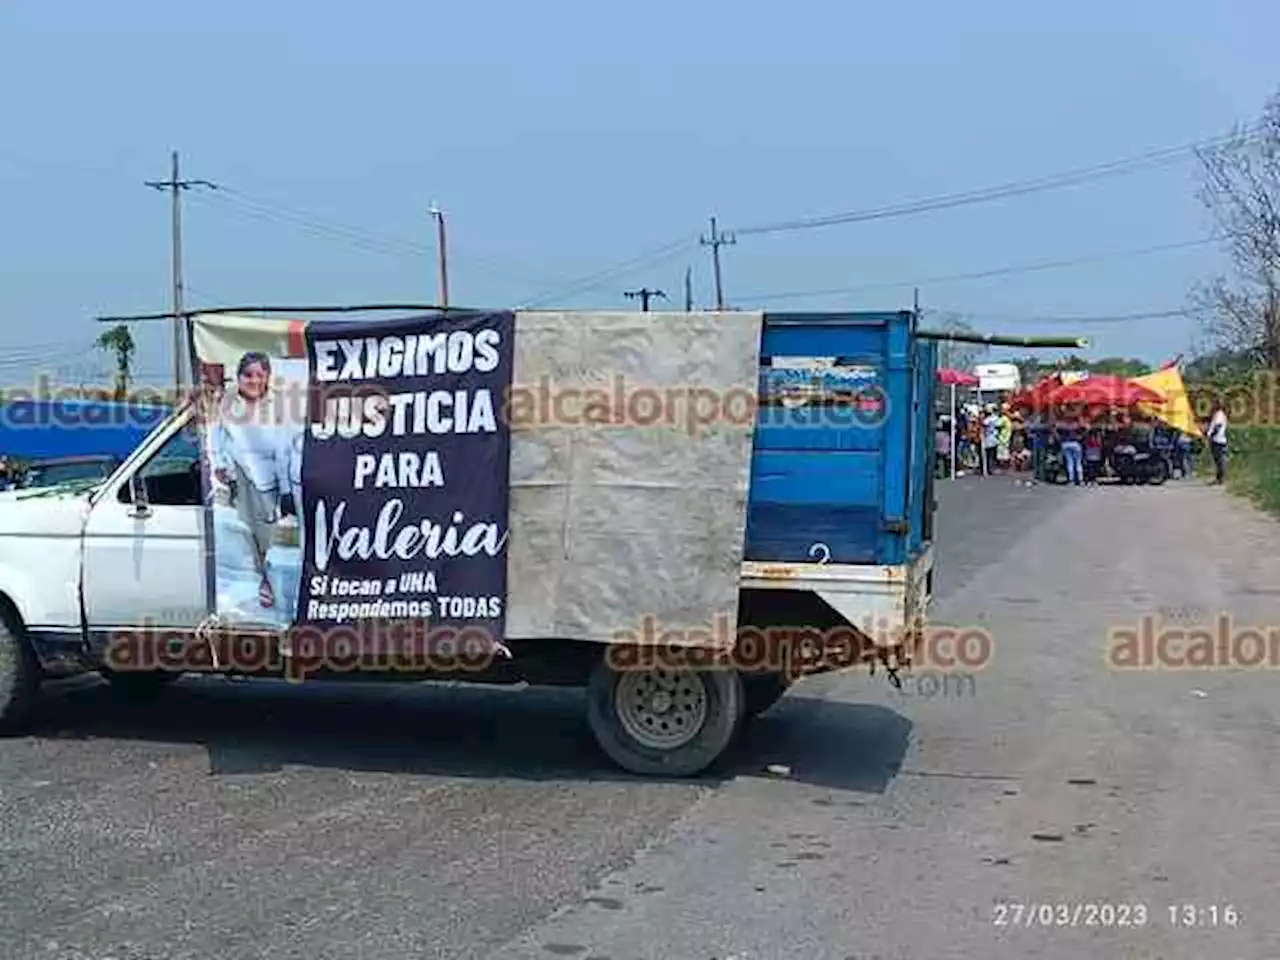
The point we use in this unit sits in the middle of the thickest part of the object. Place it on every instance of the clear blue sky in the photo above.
(563, 137)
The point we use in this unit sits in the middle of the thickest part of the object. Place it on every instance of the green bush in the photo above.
(1253, 464)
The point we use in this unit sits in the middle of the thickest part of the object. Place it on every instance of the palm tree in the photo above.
(119, 340)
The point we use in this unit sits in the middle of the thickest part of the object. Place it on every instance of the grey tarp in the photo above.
(617, 524)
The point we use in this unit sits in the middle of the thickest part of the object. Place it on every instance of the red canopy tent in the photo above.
(1032, 397)
(950, 377)
(1090, 391)
(1102, 391)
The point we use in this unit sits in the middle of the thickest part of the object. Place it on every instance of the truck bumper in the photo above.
(886, 604)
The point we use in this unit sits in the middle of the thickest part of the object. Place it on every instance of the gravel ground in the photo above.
(362, 823)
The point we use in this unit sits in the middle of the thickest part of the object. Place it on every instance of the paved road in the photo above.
(235, 822)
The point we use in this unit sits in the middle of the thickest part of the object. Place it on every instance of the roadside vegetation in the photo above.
(1252, 402)
(1239, 310)
(1253, 465)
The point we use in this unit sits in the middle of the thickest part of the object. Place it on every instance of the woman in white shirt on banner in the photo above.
(251, 453)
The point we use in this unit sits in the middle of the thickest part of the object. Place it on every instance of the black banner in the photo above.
(405, 472)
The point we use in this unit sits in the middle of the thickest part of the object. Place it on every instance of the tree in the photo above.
(1240, 187)
(1120, 367)
(119, 341)
(1220, 364)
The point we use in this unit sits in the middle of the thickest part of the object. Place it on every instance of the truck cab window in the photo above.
(173, 474)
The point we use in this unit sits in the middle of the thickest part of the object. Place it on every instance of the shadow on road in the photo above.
(473, 732)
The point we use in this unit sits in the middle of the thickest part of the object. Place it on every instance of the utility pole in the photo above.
(644, 295)
(688, 289)
(441, 254)
(715, 242)
(175, 185)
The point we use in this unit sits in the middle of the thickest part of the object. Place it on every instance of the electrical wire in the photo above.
(983, 274)
(1017, 188)
(359, 237)
(650, 258)
(1103, 319)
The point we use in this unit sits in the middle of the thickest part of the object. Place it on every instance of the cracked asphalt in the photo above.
(959, 817)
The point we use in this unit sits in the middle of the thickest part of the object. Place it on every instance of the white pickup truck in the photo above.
(838, 538)
(83, 560)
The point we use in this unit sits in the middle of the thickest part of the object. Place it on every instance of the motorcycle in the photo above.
(1054, 467)
(1140, 466)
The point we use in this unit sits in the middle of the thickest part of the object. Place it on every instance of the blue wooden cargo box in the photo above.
(841, 497)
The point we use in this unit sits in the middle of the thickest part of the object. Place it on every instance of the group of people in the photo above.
(991, 439)
(997, 439)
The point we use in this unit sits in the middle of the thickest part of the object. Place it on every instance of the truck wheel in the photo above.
(141, 685)
(20, 674)
(664, 721)
(761, 691)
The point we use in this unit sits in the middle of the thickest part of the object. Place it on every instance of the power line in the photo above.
(265, 209)
(369, 241)
(1016, 188)
(593, 281)
(1062, 320)
(984, 274)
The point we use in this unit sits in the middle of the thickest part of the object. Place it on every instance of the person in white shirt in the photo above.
(251, 453)
(1217, 436)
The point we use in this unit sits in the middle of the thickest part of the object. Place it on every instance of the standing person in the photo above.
(1217, 435)
(1004, 437)
(251, 457)
(1072, 451)
(942, 447)
(1186, 465)
(1039, 437)
(1092, 456)
(990, 438)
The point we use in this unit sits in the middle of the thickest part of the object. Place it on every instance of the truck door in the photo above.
(143, 557)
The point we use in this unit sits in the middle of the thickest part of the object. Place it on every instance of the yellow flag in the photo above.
(1176, 410)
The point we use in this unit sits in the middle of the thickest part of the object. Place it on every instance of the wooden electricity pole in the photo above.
(644, 295)
(715, 241)
(175, 185)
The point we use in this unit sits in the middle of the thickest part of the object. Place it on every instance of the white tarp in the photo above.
(630, 460)
(615, 526)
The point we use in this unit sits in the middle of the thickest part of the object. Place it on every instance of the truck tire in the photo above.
(664, 721)
(761, 691)
(20, 674)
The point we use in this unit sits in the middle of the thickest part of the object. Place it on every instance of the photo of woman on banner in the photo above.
(250, 454)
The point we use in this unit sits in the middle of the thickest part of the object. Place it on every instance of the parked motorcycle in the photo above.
(1135, 466)
(1054, 469)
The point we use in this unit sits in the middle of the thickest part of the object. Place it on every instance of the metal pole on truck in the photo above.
(441, 255)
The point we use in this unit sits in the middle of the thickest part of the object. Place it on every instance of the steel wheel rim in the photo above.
(661, 709)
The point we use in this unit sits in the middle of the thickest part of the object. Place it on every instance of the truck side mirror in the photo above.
(138, 495)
